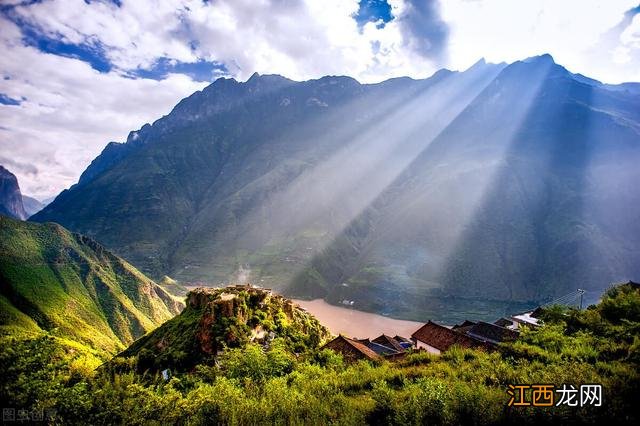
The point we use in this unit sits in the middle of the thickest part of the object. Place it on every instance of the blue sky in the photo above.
(77, 74)
(378, 11)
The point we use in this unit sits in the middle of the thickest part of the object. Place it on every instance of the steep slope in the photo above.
(10, 196)
(500, 184)
(215, 319)
(67, 284)
(201, 191)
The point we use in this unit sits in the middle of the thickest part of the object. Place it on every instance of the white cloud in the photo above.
(71, 111)
(630, 37)
(571, 30)
(299, 38)
(135, 34)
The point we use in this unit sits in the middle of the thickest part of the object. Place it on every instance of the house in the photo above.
(464, 327)
(406, 343)
(491, 333)
(390, 342)
(351, 350)
(528, 318)
(507, 323)
(436, 338)
(378, 348)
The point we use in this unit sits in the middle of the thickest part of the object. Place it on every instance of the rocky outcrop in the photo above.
(218, 318)
(10, 196)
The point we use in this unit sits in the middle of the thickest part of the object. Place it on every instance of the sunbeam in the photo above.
(529, 189)
(336, 190)
(607, 232)
(428, 208)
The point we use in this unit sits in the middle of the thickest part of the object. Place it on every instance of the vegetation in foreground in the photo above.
(254, 385)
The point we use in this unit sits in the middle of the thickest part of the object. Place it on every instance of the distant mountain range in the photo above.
(32, 205)
(70, 286)
(502, 184)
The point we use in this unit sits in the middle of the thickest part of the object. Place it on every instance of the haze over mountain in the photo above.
(32, 205)
(500, 184)
(10, 196)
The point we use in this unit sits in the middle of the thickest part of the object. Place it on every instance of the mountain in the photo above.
(472, 192)
(10, 196)
(527, 194)
(221, 318)
(69, 285)
(31, 205)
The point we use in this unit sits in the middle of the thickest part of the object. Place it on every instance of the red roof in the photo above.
(442, 338)
(339, 343)
(388, 341)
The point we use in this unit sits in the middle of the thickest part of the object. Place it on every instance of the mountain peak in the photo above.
(544, 58)
(479, 63)
(253, 77)
(257, 78)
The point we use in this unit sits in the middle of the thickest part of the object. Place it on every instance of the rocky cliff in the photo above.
(218, 318)
(10, 196)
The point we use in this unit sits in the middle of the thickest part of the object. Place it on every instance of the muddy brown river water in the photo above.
(358, 324)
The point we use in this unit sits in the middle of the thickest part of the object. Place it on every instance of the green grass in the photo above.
(55, 280)
(250, 384)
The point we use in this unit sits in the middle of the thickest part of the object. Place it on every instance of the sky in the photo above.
(75, 75)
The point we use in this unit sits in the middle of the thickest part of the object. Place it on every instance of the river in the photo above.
(357, 324)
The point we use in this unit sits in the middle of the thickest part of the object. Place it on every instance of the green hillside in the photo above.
(217, 319)
(275, 385)
(70, 286)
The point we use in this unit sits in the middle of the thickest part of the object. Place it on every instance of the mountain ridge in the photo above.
(274, 176)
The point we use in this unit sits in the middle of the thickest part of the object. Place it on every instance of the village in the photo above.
(435, 338)
(431, 337)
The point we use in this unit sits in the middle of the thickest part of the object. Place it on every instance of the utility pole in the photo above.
(581, 291)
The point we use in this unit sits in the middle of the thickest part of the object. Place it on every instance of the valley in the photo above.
(320, 212)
